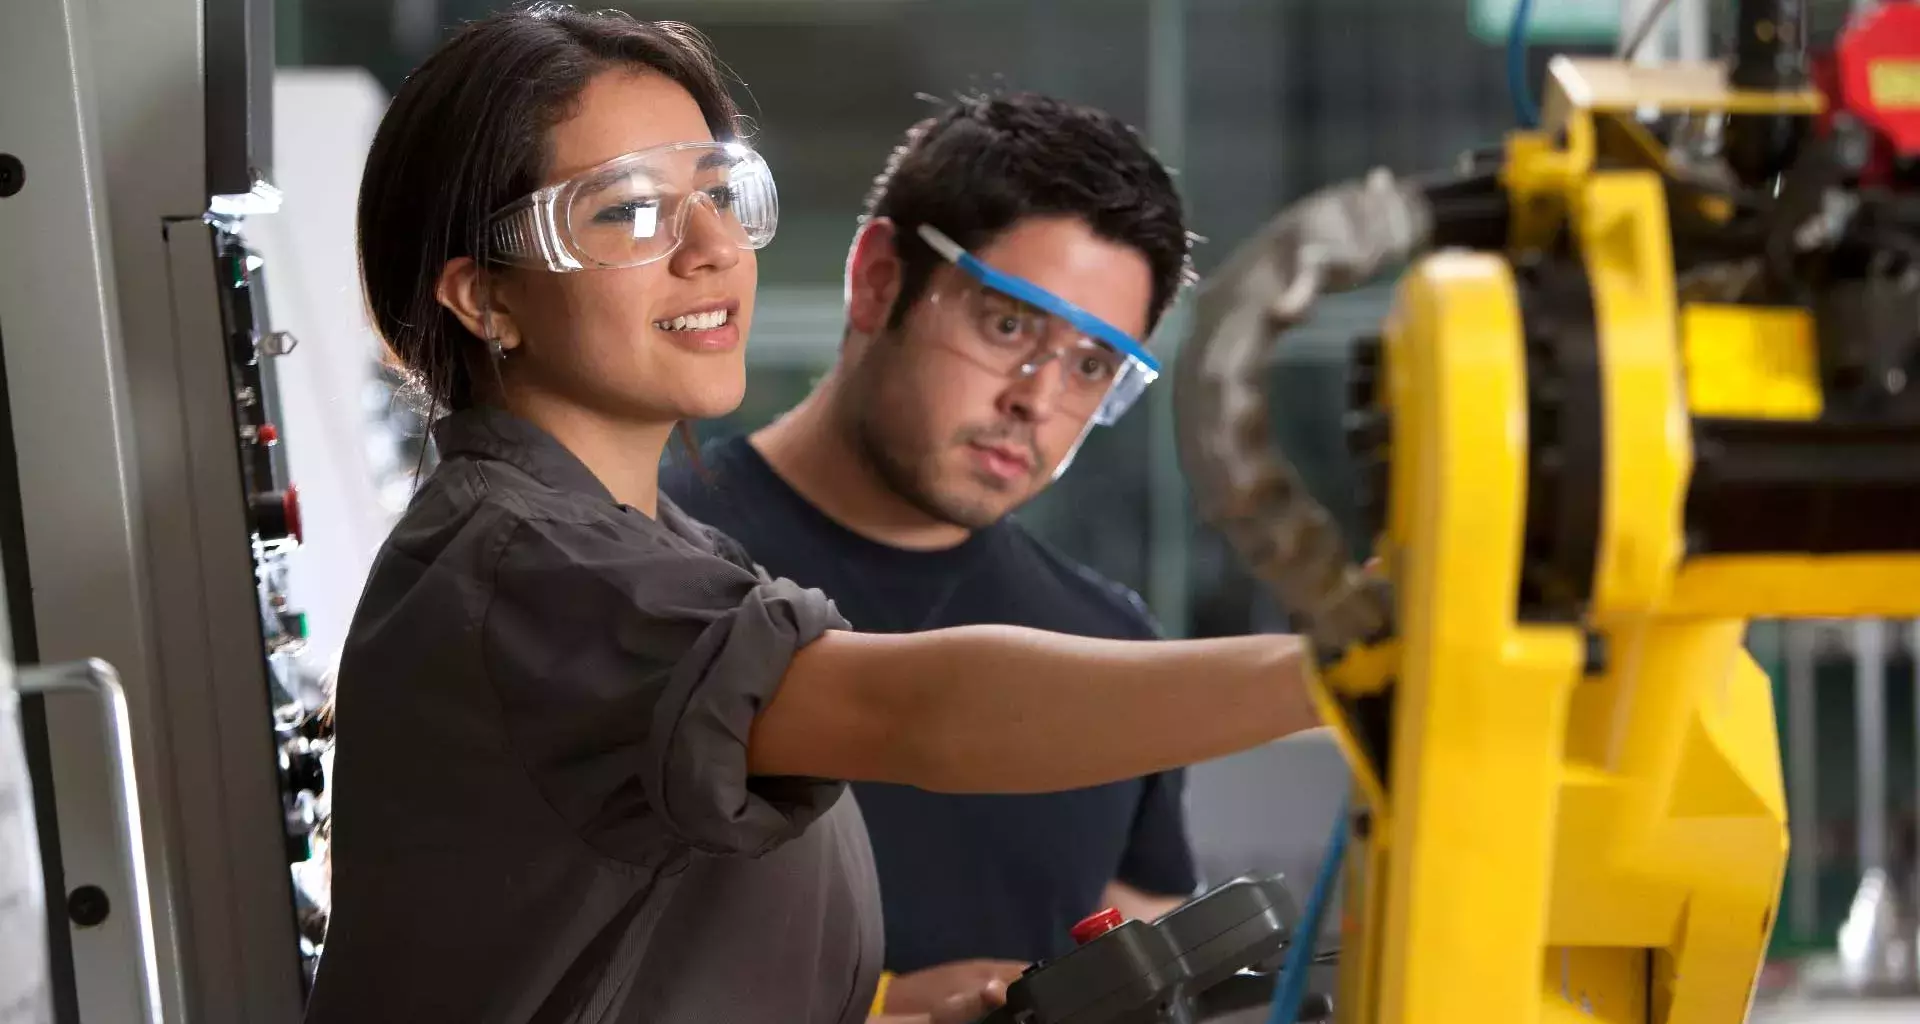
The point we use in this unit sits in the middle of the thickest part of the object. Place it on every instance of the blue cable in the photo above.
(1523, 108)
(1292, 988)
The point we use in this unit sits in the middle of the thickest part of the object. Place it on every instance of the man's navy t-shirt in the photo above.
(963, 876)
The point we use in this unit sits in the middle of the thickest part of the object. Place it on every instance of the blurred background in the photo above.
(1253, 103)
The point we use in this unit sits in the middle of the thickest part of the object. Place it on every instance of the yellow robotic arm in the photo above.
(1628, 397)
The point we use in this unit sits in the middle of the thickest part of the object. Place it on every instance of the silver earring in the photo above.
(498, 352)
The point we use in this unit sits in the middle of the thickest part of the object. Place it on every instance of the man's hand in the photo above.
(953, 993)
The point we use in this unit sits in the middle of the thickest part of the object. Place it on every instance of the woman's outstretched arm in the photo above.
(1004, 709)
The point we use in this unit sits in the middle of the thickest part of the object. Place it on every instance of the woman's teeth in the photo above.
(710, 321)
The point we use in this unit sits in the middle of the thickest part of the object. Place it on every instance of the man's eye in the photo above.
(1096, 370)
(1014, 328)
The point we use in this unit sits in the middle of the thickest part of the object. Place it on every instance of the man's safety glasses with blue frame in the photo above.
(1019, 327)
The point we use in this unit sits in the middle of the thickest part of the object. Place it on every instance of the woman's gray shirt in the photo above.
(542, 810)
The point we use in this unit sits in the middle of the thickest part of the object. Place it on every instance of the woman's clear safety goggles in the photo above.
(1102, 369)
(635, 209)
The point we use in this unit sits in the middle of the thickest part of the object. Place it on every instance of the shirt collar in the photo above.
(497, 434)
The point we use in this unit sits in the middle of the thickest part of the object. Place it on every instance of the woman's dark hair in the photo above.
(988, 162)
(467, 134)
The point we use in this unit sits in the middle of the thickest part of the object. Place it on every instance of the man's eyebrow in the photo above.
(1019, 305)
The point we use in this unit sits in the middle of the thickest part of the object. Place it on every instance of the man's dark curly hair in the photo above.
(989, 162)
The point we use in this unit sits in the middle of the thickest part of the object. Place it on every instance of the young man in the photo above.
(1015, 253)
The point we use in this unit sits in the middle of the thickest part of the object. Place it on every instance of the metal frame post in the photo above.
(1870, 740)
(1169, 525)
(135, 525)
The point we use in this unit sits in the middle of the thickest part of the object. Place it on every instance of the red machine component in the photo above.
(1872, 78)
(1878, 57)
(290, 507)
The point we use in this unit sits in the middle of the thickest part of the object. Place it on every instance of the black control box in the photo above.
(1135, 972)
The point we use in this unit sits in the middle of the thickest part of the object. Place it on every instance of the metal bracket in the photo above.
(97, 678)
(278, 343)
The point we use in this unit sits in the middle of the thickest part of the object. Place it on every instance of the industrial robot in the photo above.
(1652, 370)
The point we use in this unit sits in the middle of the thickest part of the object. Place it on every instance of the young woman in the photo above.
(592, 758)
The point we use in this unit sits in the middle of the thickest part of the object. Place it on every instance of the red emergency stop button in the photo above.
(1097, 925)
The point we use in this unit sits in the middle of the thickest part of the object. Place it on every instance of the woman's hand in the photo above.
(954, 993)
(967, 1007)
(933, 989)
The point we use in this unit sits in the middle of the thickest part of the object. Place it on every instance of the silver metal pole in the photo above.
(1691, 29)
(1803, 779)
(1870, 717)
(98, 679)
(1632, 13)
(1169, 532)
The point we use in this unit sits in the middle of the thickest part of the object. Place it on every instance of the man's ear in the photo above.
(873, 276)
(468, 293)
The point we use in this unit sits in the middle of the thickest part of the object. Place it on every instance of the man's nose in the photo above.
(1033, 396)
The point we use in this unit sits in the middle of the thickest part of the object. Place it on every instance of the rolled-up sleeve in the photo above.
(629, 676)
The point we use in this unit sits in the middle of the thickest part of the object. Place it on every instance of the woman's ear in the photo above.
(873, 276)
(466, 291)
